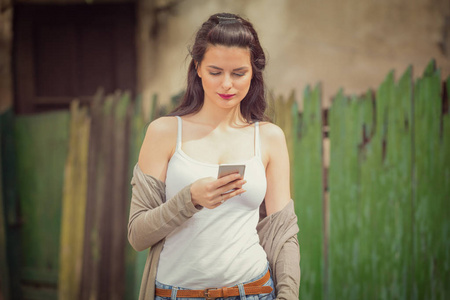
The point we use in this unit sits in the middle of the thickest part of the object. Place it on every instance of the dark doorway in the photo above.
(62, 52)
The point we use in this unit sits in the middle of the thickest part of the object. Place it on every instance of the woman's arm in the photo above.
(281, 243)
(152, 217)
(275, 154)
(158, 147)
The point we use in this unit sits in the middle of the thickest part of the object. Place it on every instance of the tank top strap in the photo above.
(179, 132)
(257, 141)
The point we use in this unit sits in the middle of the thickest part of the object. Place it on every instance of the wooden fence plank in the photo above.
(92, 246)
(352, 134)
(104, 206)
(364, 143)
(306, 139)
(444, 248)
(117, 207)
(41, 151)
(74, 205)
(431, 192)
(399, 159)
(345, 132)
(386, 175)
(135, 124)
(4, 267)
(135, 261)
(10, 201)
(284, 118)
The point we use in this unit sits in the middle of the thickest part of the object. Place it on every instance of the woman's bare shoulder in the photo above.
(158, 146)
(273, 141)
(271, 131)
(162, 126)
(161, 133)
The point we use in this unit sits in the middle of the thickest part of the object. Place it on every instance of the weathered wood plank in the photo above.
(431, 191)
(386, 185)
(4, 267)
(41, 151)
(135, 261)
(305, 137)
(74, 204)
(366, 120)
(444, 248)
(92, 246)
(104, 205)
(10, 201)
(118, 217)
(399, 156)
(345, 133)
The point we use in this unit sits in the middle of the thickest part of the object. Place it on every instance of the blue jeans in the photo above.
(269, 296)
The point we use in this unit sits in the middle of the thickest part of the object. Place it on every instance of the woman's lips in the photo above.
(227, 96)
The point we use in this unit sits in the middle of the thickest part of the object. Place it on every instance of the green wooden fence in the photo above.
(389, 180)
(374, 225)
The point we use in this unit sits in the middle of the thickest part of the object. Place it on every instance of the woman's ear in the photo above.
(197, 68)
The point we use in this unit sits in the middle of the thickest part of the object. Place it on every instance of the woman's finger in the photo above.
(237, 184)
(226, 179)
(224, 197)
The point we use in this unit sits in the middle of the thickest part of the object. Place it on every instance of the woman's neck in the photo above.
(219, 117)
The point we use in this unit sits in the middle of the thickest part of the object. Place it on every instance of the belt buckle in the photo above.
(207, 295)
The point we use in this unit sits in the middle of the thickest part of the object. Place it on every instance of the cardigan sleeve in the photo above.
(287, 269)
(278, 237)
(151, 217)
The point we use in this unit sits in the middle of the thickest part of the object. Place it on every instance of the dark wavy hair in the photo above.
(233, 31)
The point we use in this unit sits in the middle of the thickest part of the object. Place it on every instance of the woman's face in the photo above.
(226, 73)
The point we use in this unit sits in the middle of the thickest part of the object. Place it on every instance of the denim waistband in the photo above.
(240, 286)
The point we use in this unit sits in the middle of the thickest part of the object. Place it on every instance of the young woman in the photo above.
(206, 236)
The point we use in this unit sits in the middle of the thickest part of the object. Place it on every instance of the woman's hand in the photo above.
(211, 192)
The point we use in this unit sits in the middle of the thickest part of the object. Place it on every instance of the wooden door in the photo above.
(62, 52)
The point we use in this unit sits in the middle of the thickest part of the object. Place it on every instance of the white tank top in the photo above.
(215, 247)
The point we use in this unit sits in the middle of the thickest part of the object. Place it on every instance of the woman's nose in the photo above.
(227, 83)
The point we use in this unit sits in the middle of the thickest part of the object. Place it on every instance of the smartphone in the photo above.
(226, 169)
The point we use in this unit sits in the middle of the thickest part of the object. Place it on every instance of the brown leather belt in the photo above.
(252, 288)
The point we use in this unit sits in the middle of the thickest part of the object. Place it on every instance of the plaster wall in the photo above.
(351, 44)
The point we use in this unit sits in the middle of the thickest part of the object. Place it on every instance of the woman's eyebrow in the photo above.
(237, 69)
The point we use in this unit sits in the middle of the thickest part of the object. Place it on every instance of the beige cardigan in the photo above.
(152, 218)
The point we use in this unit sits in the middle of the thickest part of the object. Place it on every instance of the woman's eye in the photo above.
(218, 73)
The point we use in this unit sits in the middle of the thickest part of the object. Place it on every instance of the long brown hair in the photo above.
(233, 31)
